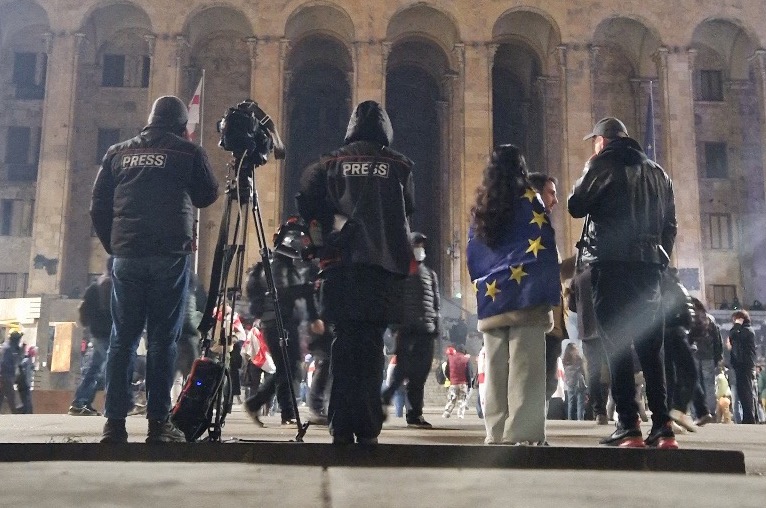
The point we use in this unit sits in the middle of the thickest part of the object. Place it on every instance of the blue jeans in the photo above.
(147, 292)
(576, 402)
(86, 390)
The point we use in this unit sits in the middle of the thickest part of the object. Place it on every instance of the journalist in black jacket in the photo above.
(142, 210)
(357, 201)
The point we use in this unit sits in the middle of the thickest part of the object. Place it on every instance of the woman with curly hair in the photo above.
(513, 263)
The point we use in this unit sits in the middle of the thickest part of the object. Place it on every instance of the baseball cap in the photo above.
(608, 127)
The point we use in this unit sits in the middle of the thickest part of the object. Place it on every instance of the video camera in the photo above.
(246, 130)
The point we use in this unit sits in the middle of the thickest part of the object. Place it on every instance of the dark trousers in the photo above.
(357, 375)
(595, 362)
(745, 392)
(320, 350)
(626, 300)
(278, 383)
(680, 370)
(552, 353)
(414, 355)
(9, 394)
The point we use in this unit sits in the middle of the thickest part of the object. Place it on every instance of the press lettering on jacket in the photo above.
(380, 169)
(154, 160)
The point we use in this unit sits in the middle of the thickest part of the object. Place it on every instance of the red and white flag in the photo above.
(194, 110)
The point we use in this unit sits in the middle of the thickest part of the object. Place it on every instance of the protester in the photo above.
(460, 375)
(95, 313)
(142, 211)
(360, 197)
(707, 345)
(416, 333)
(574, 377)
(741, 344)
(11, 355)
(513, 264)
(25, 379)
(630, 209)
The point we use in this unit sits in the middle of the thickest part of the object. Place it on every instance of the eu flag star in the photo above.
(517, 272)
(530, 194)
(476, 286)
(492, 290)
(535, 245)
(538, 218)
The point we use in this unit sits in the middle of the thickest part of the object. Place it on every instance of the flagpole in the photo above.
(201, 139)
(651, 102)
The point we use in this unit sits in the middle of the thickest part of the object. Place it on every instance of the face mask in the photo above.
(419, 253)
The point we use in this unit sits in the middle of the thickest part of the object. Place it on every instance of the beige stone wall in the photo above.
(588, 58)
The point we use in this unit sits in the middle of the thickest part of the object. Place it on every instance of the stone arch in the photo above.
(733, 43)
(417, 100)
(633, 38)
(534, 29)
(424, 21)
(317, 104)
(213, 20)
(20, 19)
(322, 17)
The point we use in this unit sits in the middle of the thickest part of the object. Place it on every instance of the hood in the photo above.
(370, 122)
(168, 113)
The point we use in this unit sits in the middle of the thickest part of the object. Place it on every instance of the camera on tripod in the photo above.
(247, 131)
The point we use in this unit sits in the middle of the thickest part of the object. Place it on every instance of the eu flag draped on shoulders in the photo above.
(522, 270)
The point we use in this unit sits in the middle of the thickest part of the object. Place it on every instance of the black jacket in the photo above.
(742, 341)
(96, 308)
(145, 191)
(630, 202)
(677, 304)
(706, 337)
(368, 184)
(292, 284)
(420, 301)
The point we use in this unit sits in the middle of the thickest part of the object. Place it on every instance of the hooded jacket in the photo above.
(631, 205)
(368, 186)
(147, 186)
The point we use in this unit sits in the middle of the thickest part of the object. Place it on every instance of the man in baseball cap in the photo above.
(609, 128)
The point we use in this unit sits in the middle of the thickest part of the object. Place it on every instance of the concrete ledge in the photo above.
(388, 455)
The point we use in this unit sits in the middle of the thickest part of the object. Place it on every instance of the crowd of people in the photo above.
(349, 269)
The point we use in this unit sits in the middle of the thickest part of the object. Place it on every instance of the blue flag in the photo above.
(522, 271)
(649, 139)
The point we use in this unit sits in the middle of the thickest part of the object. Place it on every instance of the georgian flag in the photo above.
(194, 111)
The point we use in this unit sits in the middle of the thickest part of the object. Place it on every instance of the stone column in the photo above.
(477, 121)
(370, 61)
(457, 208)
(49, 230)
(575, 67)
(679, 158)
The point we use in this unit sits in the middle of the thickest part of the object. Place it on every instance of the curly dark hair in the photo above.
(504, 182)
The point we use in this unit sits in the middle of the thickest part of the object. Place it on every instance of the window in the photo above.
(723, 294)
(8, 283)
(146, 70)
(711, 85)
(24, 284)
(720, 231)
(17, 154)
(106, 138)
(716, 163)
(16, 217)
(29, 75)
(113, 71)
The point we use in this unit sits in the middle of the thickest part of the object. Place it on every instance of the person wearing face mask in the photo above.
(416, 334)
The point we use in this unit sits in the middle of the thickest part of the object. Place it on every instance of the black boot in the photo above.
(114, 431)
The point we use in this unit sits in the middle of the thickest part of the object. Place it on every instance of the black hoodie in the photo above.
(368, 184)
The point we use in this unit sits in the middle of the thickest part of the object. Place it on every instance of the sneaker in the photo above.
(662, 437)
(419, 423)
(683, 420)
(318, 419)
(446, 414)
(163, 431)
(253, 414)
(114, 431)
(602, 420)
(624, 438)
(289, 421)
(82, 411)
(704, 420)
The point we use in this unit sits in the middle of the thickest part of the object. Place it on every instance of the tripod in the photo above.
(230, 254)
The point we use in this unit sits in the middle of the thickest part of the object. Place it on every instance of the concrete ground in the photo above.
(52, 460)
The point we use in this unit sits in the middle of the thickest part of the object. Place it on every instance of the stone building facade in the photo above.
(457, 77)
